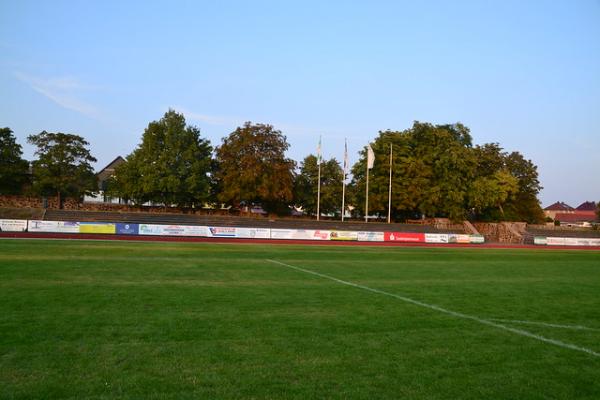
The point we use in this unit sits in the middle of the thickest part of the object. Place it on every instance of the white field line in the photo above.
(546, 324)
(446, 311)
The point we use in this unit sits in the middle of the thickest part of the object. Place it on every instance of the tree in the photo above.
(63, 166)
(13, 169)
(306, 185)
(524, 206)
(251, 167)
(172, 165)
(431, 168)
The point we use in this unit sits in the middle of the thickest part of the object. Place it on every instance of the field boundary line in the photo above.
(546, 324)
(444, 310)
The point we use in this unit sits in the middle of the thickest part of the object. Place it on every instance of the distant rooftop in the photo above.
(559, 206)
(587, 206)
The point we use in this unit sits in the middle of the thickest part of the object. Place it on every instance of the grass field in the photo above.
(81, 319)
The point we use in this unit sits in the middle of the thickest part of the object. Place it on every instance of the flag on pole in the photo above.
(370, 157)
(319, 156)
(345, 158)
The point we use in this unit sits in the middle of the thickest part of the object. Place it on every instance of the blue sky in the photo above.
(524, 74)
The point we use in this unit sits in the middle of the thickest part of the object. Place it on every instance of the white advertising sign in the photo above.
(13, 225)
(53, 226)
(300, 234)
(436, 238)
(370, 236)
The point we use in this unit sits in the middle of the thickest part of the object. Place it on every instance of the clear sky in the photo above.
(525, 74)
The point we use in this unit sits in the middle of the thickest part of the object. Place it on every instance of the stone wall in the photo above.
(502, 232)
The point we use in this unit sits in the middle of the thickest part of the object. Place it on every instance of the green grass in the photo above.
(103, 320)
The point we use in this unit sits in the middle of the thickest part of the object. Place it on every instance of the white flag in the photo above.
(319, 151)
(345, 158)
(370, 157)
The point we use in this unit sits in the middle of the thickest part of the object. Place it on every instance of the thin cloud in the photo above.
(208, 119)
(63, 91)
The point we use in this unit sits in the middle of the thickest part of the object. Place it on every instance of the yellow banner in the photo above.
(97, 228)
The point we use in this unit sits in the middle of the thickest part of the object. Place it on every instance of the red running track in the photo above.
(138, 238)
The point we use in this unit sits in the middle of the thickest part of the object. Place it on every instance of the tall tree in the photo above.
(13, 169)
(251, 167)
(524, 206)
(63, 167)
(306, 185)
(431, 168)
(172, 165)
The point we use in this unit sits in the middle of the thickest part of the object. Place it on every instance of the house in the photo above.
(558, 208)
(103, 177)
(584, 215)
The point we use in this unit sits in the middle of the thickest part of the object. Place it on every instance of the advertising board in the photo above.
(53, 226)
(344, 235)
(173, 230)
(222, 231)
(300, 234)
(458, 238)
(128, 229)
(253, 233)
(476, 239)
(97, 227)
(540, 240)
(404, 237)
(370, 236)
(13, 225)
(436, 238)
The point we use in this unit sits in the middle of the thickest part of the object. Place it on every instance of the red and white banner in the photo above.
(404, 237)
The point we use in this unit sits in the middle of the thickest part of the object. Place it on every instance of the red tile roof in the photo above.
(559, 206)
(587, 206)
(576, 217)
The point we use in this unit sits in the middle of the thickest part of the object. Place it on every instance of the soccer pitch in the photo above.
(99, 320)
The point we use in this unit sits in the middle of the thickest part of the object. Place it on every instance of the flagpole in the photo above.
(319, 182)
(367, 195)
(344, 178)
(319, 193)
(390, 190)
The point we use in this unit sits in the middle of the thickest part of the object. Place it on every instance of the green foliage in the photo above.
(251, 167)
(63, 167)
(13, 169)
(515, 198)
(172, 165)
(306, 186)
(431, 169)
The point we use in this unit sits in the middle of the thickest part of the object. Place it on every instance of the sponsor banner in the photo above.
(562, 241)
(555, 241)
(476, 239)
(53, 226)
(300, 234)
(458, 238)
(436, 238)
(97, 227)
(173, 230)
(344, 235)
(370, 236)
(404, 237)
(253, 233)
(222, 231)
(128, 229)
(13, 225)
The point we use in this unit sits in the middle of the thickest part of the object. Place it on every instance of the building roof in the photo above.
(559, 206)
(587, 206)
(109, 170)
(576, 217)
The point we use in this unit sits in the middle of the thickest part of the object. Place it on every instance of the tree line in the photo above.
(436, 172)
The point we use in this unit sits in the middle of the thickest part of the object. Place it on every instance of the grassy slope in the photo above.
(150, 320)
